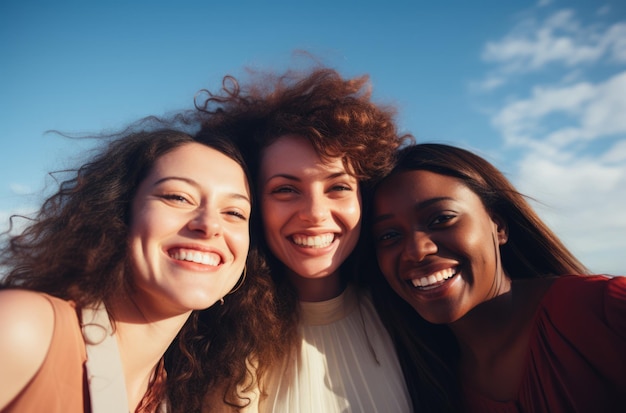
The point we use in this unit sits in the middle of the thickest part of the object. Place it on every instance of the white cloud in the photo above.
(589, 111)
(585, 192)
(560, 38)
(583, 201)
(488, 84)
(20, 189)
(569, 133)
(604, 10)
(616, 154)
(562, 181)
(615, 41)
(606, 112)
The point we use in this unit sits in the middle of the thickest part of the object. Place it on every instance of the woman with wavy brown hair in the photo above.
(314, 142)
(134, 267)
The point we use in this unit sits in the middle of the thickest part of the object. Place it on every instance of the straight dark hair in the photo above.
(428, 353)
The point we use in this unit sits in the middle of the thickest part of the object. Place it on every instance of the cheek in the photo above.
(390, 276)
(271, 223)
(237, 236)
(384, 263)
(478, 243)
(153, 221)
(272, 215)
(353, 216)
(140, 231)
(352, 236)
(351, 213)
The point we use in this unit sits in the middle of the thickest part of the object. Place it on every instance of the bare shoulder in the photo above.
(27, 324)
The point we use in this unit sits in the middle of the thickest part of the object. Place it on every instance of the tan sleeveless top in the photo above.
(59, 386)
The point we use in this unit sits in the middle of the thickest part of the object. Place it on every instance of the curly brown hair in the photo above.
(76, 248)
(336, 115)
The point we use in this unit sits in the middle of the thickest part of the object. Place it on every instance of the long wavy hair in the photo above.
(428, 352)
(76, 248)
(336, 115)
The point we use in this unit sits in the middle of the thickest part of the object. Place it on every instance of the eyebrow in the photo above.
(420, 205)
(234, 195)
(295, 178)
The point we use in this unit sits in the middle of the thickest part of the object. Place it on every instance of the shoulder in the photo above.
(574, 289)
(615, 304)
(588, 298)
(27, 325)
(26, 317)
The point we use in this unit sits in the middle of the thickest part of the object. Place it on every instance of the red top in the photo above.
(576, 359)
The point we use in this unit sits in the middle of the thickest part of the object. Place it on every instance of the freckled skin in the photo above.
(427, 222)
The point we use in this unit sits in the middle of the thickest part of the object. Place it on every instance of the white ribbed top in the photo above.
(334, 370)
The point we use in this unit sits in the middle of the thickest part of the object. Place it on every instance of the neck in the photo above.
(480, 331)
(493, 339)
(142, 341)
(317, 289)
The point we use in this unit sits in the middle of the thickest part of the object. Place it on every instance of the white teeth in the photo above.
(434, 278)
(199, 257)
(317, 241)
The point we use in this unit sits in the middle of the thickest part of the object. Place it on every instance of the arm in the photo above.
(27, 325)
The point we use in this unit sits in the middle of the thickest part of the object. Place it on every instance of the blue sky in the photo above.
(538, 88)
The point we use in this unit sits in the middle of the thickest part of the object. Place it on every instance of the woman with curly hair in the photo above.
(492, 313)
(111, 290)
(314, 142)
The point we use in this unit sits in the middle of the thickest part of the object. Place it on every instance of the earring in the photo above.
(241, 280)
(222, 301)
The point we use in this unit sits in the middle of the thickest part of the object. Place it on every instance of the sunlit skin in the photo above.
(437, 245)
(311, 214)
(189, 233)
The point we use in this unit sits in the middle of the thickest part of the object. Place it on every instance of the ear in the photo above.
(501, 228)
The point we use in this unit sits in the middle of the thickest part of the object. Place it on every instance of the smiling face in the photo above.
(437, 245)
(189, 233)
(311, 209)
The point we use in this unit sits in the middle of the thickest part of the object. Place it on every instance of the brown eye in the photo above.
(387, 236)
(283, 190)
(442, 219)
(175, 197)
(238, 215)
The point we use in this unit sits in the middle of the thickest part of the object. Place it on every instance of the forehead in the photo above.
(189, 155)
(202, 164)
(291, 153)
(414, 186)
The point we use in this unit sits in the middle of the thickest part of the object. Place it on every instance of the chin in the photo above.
(200, 303)
(318, 272)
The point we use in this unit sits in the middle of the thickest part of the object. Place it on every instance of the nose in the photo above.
(418, 246)
(314, 208)
(206, 222)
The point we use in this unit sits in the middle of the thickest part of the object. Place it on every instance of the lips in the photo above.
(434, 279)
(199, 257)
(313, 241)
